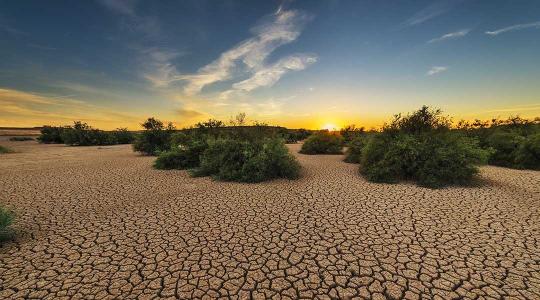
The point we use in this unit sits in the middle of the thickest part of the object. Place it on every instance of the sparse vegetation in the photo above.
(6, 219)
(247, 161)
(351, 132)
(20, 139)
(323, 143)
(354, 149)
(4, 150)
(155, 138)
(51, 135)
(236, 153)
(420, 147)
(512, 141)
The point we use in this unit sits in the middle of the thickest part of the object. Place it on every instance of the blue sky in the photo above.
(294, 63)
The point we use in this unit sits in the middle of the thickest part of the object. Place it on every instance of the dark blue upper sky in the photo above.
(296, 63)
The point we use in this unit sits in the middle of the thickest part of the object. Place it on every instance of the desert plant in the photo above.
(505, 146)
(20, 138)
(185, 154)
(247, 161)
(82, 134)
(122, 136)
(421, 147)
(6, 219)
(528, 153)
(155, 138)
(4, 149)
(322, 143)
(354, 149)
(51, 135)
(350, 132)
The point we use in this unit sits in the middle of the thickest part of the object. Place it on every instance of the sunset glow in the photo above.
(289, 63)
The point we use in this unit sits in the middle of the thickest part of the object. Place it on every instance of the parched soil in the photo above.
(100, 222)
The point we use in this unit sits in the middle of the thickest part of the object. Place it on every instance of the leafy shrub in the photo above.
(51, 135)
(322, 143)
(122, 136)
(505, 146)
(184, 155)
(154, 139)
(81, 134)
(351, 132)
(528, 153)
(247, 161)
(4, 150)
(20, 138)
(354, 150)
(6, 219)
(421, 147)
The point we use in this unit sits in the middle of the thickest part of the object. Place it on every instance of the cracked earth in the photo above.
(99, 222)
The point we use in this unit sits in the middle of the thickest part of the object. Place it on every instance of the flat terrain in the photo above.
(99, 222)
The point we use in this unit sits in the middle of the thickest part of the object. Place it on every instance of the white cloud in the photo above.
(436, 9)
(515, 27)
(269, 75)
(452, 35)
(436, 70)
(276, 30)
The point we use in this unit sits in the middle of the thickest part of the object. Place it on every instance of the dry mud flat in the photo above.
(99, 222)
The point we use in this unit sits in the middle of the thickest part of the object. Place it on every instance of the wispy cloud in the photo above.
(451, 35)
(20, 108)
(281, 28)
(433, 10)
(436, 70)
(535, 25)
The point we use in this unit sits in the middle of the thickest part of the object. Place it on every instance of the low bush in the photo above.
(6, 219)
(430, 160)
(185, 154)
(351, 132)
(505, 146)
(421, 147)
(4, 149)
(528, 153)
(81, 134)
(155, 138)
(247, 161)
(20, 138)
(322, 143)
(51, 135)
(354, 149)
(122, 136)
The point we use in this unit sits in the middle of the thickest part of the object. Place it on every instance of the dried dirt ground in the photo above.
(99, 222)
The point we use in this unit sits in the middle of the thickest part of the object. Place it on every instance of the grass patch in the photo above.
(6, 219)
(5, 150)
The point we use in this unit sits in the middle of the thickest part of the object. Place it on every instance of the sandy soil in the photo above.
(99, 222)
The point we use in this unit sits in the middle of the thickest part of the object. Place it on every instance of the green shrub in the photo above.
(351, 132)
(432, 160)
(528, 153)
(354, 150)
(184, 155)
(154, 139)
(505, 146)
(322, 143)
(6, 219)
(20, 138)
(81, 134)
(4, 150)
(51, 135)
(421, 147)
(247, 161)
(121, 136)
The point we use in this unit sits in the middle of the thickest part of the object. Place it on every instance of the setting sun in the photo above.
(330, 127)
